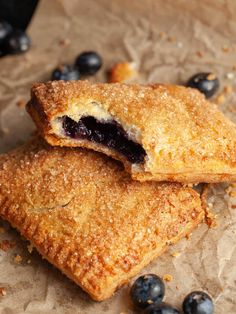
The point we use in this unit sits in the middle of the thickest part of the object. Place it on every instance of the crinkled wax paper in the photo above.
(169, 41)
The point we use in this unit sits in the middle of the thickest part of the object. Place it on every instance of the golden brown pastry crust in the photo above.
(186, 138)
(86, 216)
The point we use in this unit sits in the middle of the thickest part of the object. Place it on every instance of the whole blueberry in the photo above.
(88, 63)
(65, 72)
(16, 42)
(198, 302)
(207, 83)
(5, 30)
(162, 308)
(146, 290)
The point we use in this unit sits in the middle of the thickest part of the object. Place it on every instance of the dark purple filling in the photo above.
(110, 134)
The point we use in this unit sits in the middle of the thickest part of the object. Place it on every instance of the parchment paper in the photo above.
(169, 41)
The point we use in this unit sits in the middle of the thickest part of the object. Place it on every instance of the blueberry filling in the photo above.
(110, 134)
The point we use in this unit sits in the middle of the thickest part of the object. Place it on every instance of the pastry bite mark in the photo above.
(108, 133)
(159, 132)
(91, 123)
(86, 216)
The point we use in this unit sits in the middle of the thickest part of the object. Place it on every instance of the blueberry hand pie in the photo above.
(159, 132)
(86, 216)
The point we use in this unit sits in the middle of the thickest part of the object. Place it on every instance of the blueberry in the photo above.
(206, 83)
(146, 290)
(16, 42)
(5, 30)
(198, 302)
(65, 72)
(88, 62)
(162, 308)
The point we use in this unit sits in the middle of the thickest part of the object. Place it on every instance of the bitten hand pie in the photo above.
(159, 132)
(86, 216)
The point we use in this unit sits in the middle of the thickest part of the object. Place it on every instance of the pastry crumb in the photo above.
(175, 254)
(18, 259)
(122, 72)
(171, 39)
(21, 103)
(228, 189)
(210, 218)
(225, 48)
(64, 42)
(5, 245)
(30, 248)
(228, 89)
(232, 193)
(188, 236)
(230, 75)
(199, 53)
(210, 205)
(220, 99)
(149, 301)
(211, 77)
(179, 44)
(162, 35)
(168, 277)
(3, 291)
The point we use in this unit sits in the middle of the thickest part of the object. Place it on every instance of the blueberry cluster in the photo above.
(12, 40)
(87, 63)
(148, 291)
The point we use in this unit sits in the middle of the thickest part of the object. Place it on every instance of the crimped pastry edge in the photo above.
(45, 246)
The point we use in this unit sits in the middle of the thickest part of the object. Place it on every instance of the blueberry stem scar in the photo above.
(108, 133)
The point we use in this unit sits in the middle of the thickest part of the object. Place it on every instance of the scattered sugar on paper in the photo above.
(168, 277)
(175, 254)
(18, 259)
(30, 248)
(3, 291)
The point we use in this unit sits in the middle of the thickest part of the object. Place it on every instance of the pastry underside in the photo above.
(86, 216)
(159, 132)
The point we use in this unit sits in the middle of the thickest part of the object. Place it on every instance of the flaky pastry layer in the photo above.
(185, 138)
(86, 216)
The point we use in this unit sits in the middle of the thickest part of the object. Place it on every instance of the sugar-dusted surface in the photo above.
(186, 138)
(84, 214)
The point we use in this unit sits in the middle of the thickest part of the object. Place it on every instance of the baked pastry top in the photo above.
(159, 132)
(86, 216)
